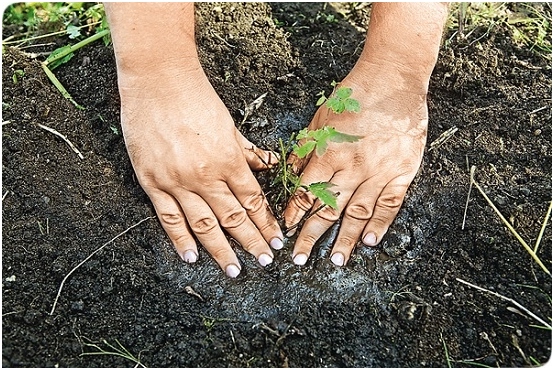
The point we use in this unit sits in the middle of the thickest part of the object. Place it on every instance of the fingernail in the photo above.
(264, 260)
(370, 239)
(276, 243)
(291, 233)
(337, 259)
(190, 256)
(300, 259)
(232, 271)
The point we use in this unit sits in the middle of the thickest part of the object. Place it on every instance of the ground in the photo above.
(398, 305)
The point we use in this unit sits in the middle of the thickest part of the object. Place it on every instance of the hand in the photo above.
(372, 174)
(195, 167)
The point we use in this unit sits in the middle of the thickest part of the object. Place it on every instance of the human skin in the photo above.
(195, 166)
(372, 175)
(186, 152)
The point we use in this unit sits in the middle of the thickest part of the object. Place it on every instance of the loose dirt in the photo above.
(397, 305)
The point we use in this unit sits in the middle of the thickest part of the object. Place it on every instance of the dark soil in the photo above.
(399, 305)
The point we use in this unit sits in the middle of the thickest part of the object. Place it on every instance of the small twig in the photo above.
(446, 352)
(191, 291)
(538, 110)
(443, 138)
(510, 227)
(7, 42)
(507, 299)
(5, 195)
(544, 223)
(63, 137)
(89, 257)
(471, 173)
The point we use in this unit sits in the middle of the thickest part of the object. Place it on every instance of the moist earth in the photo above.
(397, 305)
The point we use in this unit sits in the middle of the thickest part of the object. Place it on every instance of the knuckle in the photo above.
(391, 201)
(234, 219)
(204, 225)
(346, 242)
(254, 202)
(220, 254)
(172, 219)
(358, 211)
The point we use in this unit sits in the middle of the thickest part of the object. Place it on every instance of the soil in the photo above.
(398, 305)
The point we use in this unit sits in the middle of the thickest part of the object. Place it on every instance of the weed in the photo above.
(55, 18)
(529, 24)
(113, 350)
(17, 74)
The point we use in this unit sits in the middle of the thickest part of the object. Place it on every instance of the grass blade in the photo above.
(509, 226)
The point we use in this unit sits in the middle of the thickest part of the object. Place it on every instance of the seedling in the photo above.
(340, 100)
(318, 140)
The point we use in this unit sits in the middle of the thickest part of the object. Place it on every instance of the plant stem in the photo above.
(59, 86)
(78, 45)
(510, 227)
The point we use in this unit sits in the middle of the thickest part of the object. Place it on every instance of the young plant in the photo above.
(339, 101)
(318, 140)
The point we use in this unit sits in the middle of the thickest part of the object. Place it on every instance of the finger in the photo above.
(386, 208)
(317, 224)
(258, 159)
(235, 220)
(175, 225)
(296, 163)
(357, 213)
(249, 194)
(302, 201)
(205, 226)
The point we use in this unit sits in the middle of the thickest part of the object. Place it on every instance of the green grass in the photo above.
(529, 24)
(74, 20)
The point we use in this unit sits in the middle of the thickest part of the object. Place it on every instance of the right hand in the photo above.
(196, 167)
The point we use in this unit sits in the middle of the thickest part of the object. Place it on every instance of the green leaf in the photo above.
(59, 62)
(339, 137)
(73, 31)
(352, 105)
(302, 134)
(321, 191)
(57, 52)
(305, 149)
(321, 100)
(336, 105)
(320, 147)
(343, 92)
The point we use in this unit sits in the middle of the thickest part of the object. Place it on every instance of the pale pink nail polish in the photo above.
(232, 271)
(370, 239)
(337, 259)
(190, 256)
(276, 243)
(300, 259)
(264, 259)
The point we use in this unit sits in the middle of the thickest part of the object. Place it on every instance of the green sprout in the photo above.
(339, 101)
(318, 140)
